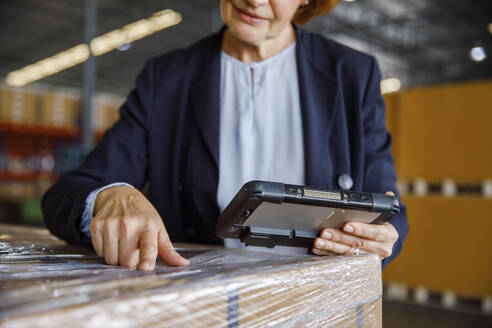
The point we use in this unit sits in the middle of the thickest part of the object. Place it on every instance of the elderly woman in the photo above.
(261, 99)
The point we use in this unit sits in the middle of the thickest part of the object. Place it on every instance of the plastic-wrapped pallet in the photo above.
(45, 282)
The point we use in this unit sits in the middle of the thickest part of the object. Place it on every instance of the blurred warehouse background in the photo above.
(437, 71)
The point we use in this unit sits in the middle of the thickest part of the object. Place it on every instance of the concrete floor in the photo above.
(411, 315)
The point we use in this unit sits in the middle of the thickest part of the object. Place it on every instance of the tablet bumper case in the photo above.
(270, 213)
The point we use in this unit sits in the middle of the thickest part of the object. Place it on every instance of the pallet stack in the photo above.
(443, 155)
(40, 139)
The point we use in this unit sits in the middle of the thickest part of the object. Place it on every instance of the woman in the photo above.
(262, 99)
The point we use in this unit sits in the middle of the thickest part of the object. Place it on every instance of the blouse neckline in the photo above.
(262, 63)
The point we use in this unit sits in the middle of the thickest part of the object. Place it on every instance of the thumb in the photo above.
(390, 193)
(167, 252)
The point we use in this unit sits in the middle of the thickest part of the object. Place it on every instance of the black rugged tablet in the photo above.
(270, 213)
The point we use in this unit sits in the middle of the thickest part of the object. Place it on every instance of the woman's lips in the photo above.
(249, 18)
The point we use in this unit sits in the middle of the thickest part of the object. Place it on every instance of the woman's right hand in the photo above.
(127, 230)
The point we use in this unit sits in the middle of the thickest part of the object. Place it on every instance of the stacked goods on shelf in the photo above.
(442, 138)
(26, 175)
(18, 191)
(20, 108)
(106, 113)
(59, 110)
(447, 235)
(17, 106)
(40, 140)
(443, 132)
(25, 163)
(47, 109)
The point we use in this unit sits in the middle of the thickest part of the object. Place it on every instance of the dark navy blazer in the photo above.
(168, 136)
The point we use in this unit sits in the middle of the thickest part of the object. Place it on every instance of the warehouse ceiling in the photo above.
(421, 42)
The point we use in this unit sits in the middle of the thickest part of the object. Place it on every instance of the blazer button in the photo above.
(345, 182)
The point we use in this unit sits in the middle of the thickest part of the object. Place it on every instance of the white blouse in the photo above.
(261, 134)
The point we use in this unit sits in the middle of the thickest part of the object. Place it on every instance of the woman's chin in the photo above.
(248, 34)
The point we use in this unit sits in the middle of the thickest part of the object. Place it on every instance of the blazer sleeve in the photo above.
(121, 156)
(379, 169)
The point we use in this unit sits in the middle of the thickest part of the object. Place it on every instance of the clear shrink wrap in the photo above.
(46, 282)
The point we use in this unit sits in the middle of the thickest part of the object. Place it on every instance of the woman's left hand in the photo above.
(357, 236)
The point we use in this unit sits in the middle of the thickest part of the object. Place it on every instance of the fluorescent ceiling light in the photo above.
(49, 66)
(390, 85)
(134, 31)
(98, 46)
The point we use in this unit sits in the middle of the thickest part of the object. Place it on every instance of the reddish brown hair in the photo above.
(314, 8)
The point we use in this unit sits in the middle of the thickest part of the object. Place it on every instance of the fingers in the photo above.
(382, 233)
(128, 230)
(321, 244)
(148, 250)
(110, 242)
(97, 237)
(167, 252)
(340, 242)
(128, 247)
(133, 242)
(120, 241)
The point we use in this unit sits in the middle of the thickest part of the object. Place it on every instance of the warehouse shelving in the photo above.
(16, 129)
(40, 139)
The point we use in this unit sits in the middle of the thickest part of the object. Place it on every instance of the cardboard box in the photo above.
(59, 110)
(106, 113)
(221, 288)
(471, 262)
(17, 106)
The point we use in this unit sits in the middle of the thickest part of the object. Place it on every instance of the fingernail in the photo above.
(320, 244)
(326, 235)
(146, 266)
(348, 228)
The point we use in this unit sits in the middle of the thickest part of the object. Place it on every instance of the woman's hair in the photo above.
(314, 8)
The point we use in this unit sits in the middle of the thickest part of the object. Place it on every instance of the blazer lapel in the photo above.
(205, 95)
(319, 101)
